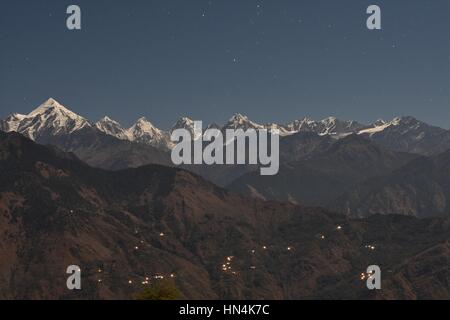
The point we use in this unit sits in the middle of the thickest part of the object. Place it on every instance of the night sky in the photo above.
(274, 61)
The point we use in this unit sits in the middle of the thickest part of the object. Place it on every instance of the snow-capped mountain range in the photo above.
(52, 118)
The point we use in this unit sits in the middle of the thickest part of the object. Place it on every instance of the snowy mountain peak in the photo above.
(12, 122)
(330, 120)
(188, 124)
(49, 119)
(112, 128)
(143, 131)
(237, 117)
(144, 125)
(239, 121)
(379, 122)
(183, 123)
(403, 126)
(303, 124)
(106, 119)
(50, 105)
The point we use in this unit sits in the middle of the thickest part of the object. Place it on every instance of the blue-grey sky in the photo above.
(273, 60)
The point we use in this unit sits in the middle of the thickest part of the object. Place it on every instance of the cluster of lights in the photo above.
(146, 280)
(363, 276)
(226, 266)
(370, 247)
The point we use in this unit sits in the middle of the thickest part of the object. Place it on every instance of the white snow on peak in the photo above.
(282, 130)
(50, 118)
(143, 128)
(377, 128)
(239, 121)
(304, 124)
(183, 123)
(188, 124)
(112, 128)
(13, 121)
(143, 131)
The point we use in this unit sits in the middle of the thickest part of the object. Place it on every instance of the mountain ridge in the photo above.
(134, 227)
(401, 134)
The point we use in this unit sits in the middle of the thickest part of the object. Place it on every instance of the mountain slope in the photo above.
(325, 175)
(421, 189)
(152, 222)
(407, 134)
(49, 119)
(112, 128)
(143, 131)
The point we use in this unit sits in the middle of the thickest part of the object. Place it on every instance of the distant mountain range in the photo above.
(324, 174)
(132, 228)
(393, 166)
(400, 134)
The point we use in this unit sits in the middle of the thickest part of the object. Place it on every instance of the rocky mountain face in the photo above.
(52, 123)
(408, 134)
(48, 120)
(330, 169)
(404, 134)
(317, 166)
(143, 131)
(127, 229)
(112, 128)
(421, 189)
